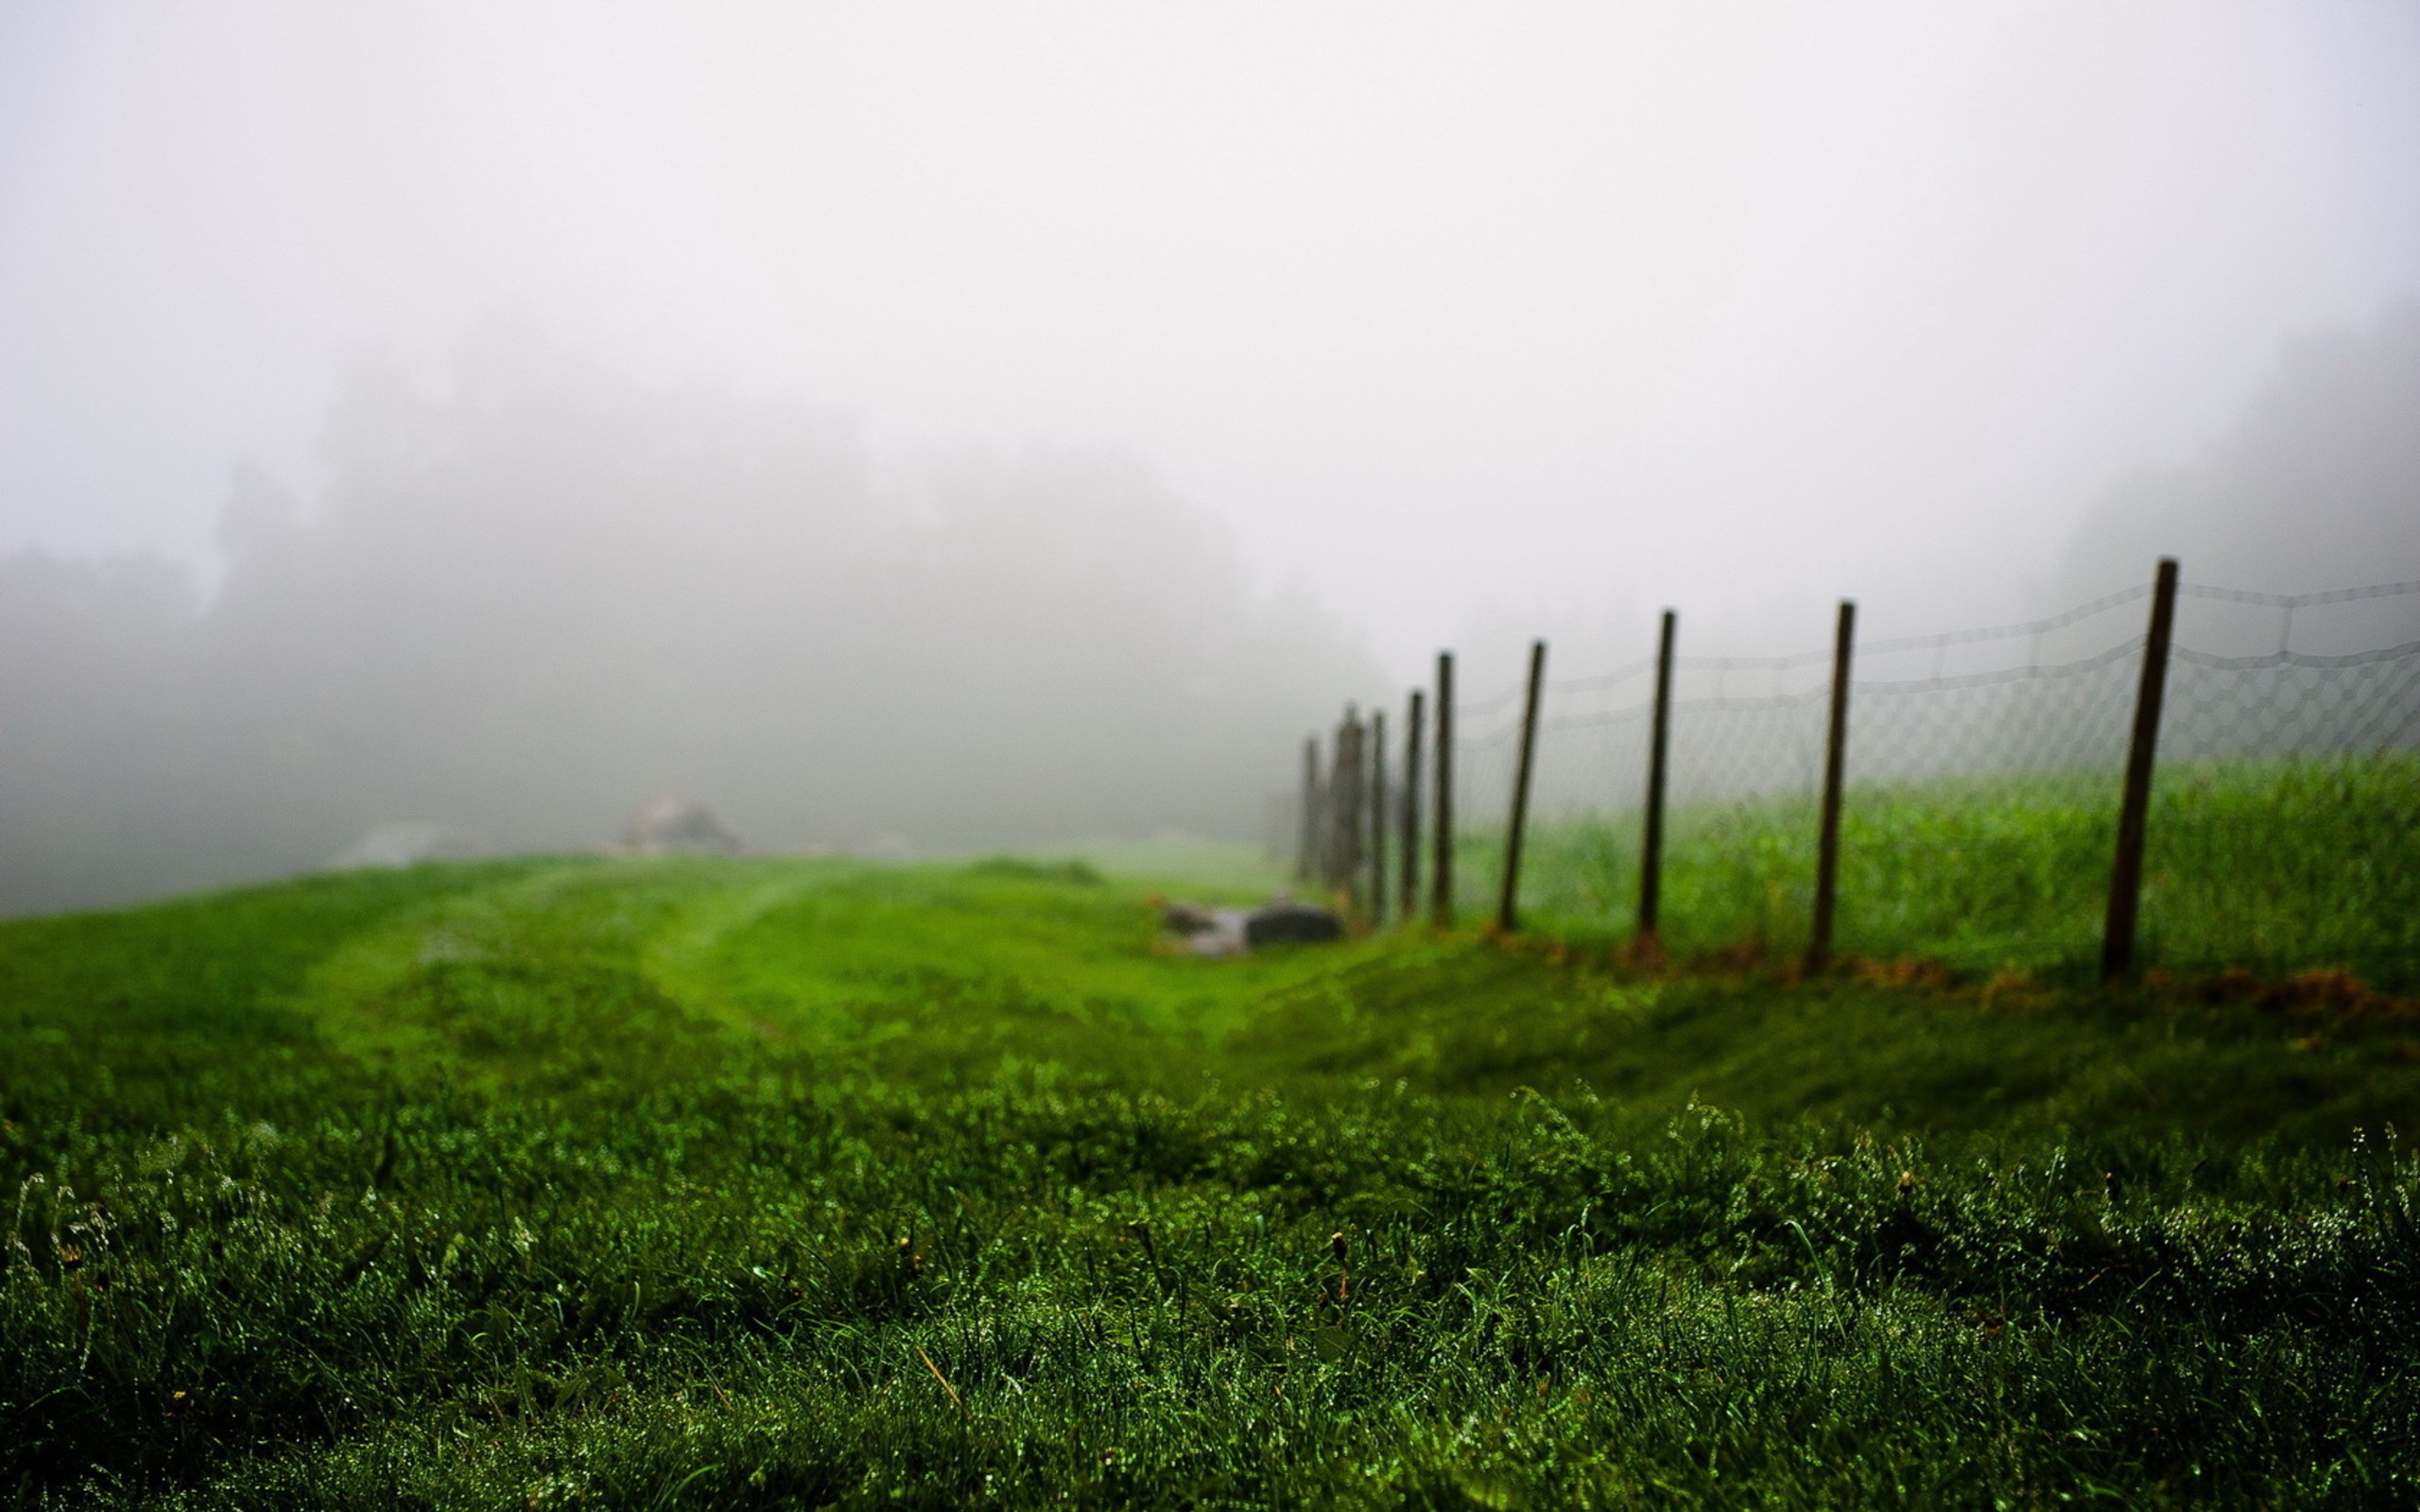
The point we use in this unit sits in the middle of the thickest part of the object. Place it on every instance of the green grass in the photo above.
(802, 1183)
(2271, 866)
(1220, 870)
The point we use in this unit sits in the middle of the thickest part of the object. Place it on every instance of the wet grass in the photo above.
(813, 1183)
(2269, 866)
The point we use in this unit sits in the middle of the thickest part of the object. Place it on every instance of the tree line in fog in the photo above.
(524, 604)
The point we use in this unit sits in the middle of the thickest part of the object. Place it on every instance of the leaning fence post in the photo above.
(2126, 877)
(1410, 903)
(1507, 914)
(1827, 839)
(1307, 860)
(1377, 817)
(1659, 740)
(1441, 879)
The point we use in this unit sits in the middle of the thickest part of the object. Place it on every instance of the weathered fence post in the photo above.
(1331, 800)
(1659, 744)
(1377, 817)
(1508, 898)
(1409, 904)
(1827, 838)
(2126, 878)
(1306, 861)
(1344, 802)
(1440, 879)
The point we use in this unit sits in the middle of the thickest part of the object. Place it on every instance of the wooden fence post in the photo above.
(1410, 902)
(1344, 802)
(1331, 803)
(1827, 838)
(1377, 818)
(1659, 745)
(1507, 911)
(1441, 878)
(2126, 878)
(1307, 860)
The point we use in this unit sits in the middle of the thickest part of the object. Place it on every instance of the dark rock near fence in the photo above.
(1220, 934)
(1290, 925)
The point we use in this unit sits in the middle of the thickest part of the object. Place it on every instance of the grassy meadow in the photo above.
(769, 1183)
(2270, 866)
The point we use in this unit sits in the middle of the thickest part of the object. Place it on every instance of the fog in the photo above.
(2314, 485)
(986, 428)
(526, 601)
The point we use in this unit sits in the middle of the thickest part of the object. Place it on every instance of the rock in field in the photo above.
(1221, 933)
(669, 825)
(1291, 924)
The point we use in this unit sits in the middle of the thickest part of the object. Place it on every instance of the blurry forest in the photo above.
(2316, 486)
(523, 604)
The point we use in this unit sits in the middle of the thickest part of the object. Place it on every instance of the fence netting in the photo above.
(1984, 774)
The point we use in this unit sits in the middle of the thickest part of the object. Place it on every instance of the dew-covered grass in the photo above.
(2269, 866)
(793, 1184)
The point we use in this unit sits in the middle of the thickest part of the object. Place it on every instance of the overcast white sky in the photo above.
(1501, 315)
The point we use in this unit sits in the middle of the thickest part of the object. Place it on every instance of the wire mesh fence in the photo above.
(1983, 770)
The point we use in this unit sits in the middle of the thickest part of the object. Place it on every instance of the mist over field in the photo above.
(526, 602)
(936, 429)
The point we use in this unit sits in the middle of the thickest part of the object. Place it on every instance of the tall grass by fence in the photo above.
(1983, 774)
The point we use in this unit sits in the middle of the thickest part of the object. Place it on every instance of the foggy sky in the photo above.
(1458, 316)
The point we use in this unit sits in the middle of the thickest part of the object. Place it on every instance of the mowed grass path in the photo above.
(769, 1183)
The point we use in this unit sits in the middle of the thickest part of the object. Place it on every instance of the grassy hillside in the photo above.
(802, 1183)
